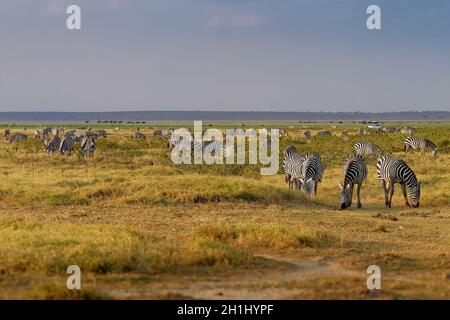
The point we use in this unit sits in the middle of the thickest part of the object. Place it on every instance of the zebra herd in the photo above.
(304, 172)
(66, 144)
(56, 140)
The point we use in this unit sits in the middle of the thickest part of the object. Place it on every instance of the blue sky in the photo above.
(304, 55)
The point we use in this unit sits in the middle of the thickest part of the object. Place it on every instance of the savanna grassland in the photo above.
(141, 227)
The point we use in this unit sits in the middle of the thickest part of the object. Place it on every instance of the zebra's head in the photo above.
(414, 195)
(346, 196)
(308, 185)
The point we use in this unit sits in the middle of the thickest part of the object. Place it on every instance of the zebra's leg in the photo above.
(404, 194)
(391, 193)
(386, 202)
(358, 203)
(315, 188)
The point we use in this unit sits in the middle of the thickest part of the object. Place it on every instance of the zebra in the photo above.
(38, 134)
(311, 173)
(88, 146)
(364, 148)
(138, 135)
(98, 133)
(52, 144)
(173, 141)
(390, 171)
(324, 133)
(419, 143)
(292, 166)
(66, 145)
(355, 172)
(15, 138)
(213, 147)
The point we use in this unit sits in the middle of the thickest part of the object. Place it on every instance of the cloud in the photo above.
(235, 21)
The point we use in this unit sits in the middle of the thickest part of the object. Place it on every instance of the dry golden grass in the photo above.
(141, 227)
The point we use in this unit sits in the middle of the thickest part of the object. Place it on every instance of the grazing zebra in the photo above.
(15, 138)
(66, 146)
(355, 172)
(311, 173)
(38, 134)
(419, 143)
(364, 148)
(52, 144)
(213, 147)
(391, 170)
(324, 133)
(138, 135)
(307, 135)
(210, 147)
(292, 166)
(173, 141)
(88, 146)
(98, 133)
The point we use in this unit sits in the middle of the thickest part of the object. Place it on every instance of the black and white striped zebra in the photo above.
(88, 146)
(311, 173)
(173, 141)
(363, 148)
(213, 147)
(66, 146)
(52, 144)
(420, 143)
(292, 164)
(391, 170)
(355, 172)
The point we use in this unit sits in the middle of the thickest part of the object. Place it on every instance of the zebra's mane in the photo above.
(312, 155)
(350, 159)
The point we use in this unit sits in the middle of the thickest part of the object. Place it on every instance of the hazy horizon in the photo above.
(217, 55)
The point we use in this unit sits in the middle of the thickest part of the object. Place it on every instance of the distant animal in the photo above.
(345, 135)
(292, 166)
(355, 172)
(66, 146)
(138, 135)
(307, 134)
(52, 144)
(284, 133)
(88, 146)
(390, 171)
(157, 133)
(38, 134)
(173, 141)
(7, 133)
(15, 138)
(46, 132)
(365, 148)
(389, 130)
(98, 133)
(212, 147)
(420, 143)
(408, 130)
(324, 133)
(312, 172)
(57, 131)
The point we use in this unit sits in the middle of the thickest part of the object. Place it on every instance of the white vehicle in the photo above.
(374, 125)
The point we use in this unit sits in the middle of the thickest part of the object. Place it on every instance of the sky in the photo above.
(231, 55)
